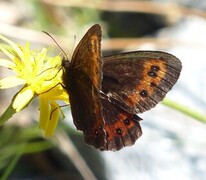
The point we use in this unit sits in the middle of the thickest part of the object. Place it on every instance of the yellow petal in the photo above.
(6, 63)
(44, 113)
(11, 81)
(8, 53)
(28, 58)
(23, 98)
(54, 119)
(14, 46)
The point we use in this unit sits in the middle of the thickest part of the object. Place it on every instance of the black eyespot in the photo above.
(119, 131)
(152, 74)
(96, 132)
(143, 93)
(155, 68)
(127, 121)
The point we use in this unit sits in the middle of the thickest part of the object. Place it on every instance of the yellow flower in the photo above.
(39, 75)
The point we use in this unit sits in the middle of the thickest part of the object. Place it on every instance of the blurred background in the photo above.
(173, 144)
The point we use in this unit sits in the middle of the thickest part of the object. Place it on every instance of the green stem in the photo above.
(185, 110)
(10, 111)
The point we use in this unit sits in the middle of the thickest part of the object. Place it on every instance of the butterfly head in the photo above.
(65, 62)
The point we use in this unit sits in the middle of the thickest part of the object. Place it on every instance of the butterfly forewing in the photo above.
(137, 81)
(82, 78)
(87, 56)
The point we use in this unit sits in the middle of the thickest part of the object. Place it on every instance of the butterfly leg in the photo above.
(54, 87)
(56, 109)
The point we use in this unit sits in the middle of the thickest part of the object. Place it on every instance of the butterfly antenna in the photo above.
(74, 42)
(56, 43)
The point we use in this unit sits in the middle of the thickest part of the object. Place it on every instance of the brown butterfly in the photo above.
(106, 93)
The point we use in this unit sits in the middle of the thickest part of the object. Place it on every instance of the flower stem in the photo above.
(185, 110)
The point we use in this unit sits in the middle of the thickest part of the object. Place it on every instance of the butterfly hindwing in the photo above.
(122, 128)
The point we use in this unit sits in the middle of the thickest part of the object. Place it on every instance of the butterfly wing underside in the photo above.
(133, 83)
(82, 79)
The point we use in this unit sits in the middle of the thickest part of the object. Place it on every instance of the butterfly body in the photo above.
(106, 93)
